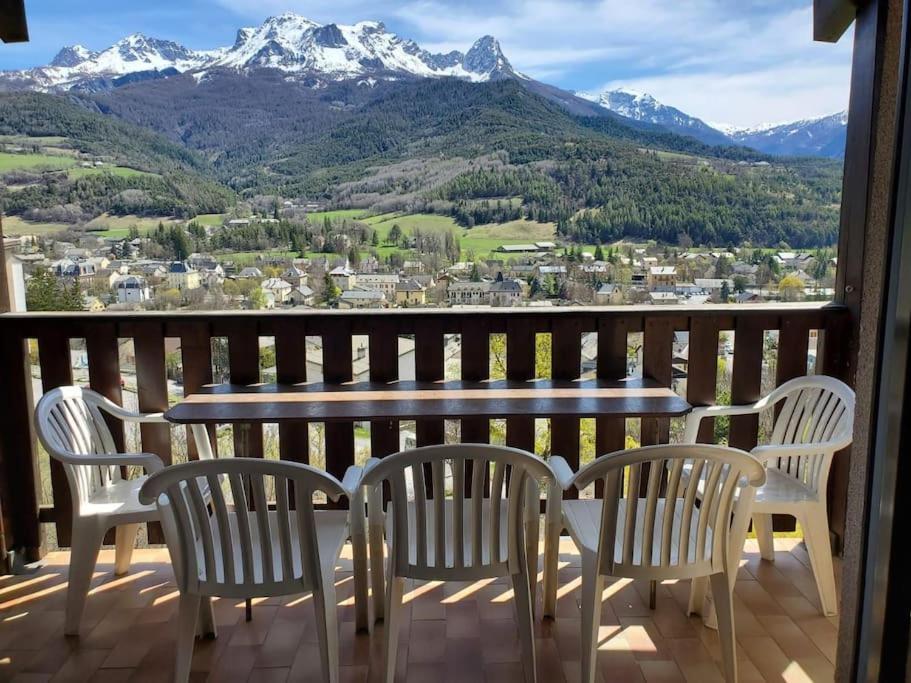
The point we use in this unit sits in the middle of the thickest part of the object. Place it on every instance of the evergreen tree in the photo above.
(42, 292)
(71, 297)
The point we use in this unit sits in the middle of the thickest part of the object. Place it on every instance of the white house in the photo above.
(132, 289)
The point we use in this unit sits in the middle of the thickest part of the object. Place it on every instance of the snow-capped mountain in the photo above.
(822, 136)
(289, 42)
(641, 106)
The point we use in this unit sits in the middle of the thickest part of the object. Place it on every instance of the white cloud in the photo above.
(783, 93)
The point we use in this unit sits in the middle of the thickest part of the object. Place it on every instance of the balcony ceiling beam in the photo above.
(831, 18)
(13, 26)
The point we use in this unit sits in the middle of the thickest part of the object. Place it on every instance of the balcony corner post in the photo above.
(20, 528)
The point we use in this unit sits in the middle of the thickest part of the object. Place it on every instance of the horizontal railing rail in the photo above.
(102, 332)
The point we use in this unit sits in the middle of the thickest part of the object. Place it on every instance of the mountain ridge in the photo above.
(288, 42)
(817, 136)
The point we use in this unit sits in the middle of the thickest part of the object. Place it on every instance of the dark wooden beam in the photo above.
(831, 18)
(13, 26)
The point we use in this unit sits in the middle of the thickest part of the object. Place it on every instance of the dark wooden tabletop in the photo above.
(318, 402)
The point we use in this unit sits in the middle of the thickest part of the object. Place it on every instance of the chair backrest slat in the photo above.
(632, 511)
(241, 512)
(420, 509)
(495, 511)
(670, 523)
(437, 476)
(200, 513)
(458, 513)
(688, 514)
(709, 507)
(283, 512)
(479, 470)
(655, 476)
(224, 528)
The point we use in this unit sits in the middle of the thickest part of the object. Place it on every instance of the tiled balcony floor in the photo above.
(454, 632)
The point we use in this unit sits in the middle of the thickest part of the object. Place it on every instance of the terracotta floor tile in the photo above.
(464, 631)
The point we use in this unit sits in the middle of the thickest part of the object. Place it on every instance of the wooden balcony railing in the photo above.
(102, 332)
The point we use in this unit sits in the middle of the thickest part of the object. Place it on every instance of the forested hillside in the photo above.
(155, 177)
(482, 153)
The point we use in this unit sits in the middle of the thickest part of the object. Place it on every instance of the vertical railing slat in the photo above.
(520, 366)
(384, 367)
(337, 369)
(291, 368)
(566, 364)
(196, 354)
(57, 370)
(702, 369)
(243, 364)
(152, 395)
(429, 367)
(104, 371)
(657, 364)
(746, 379)
(610, 432)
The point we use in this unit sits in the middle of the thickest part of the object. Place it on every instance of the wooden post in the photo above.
(19, 477)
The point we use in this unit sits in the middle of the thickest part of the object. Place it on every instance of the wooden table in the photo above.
(371, 401)
(244, 405)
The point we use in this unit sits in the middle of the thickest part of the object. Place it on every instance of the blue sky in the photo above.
(742, 62)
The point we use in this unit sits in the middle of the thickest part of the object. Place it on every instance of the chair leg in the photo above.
(86, 543)
(762, 525)
(395, 588)
(361, 579)
(124, 540)
(592, 592)
(327, 628)
(816, 536)
(525, 620)
(551, 568)
(188, 614)
(698, 588)
(377, 571)
(205, 625)
(532, 552)
(724, 610)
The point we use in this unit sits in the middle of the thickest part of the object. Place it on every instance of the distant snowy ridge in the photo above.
(288, 42)
(641, 106)
(820, 136)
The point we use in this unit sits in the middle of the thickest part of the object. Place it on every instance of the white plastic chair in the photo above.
(239, 548)
(656, 537)
(816, 420)
(71, 427)
(461, 534)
